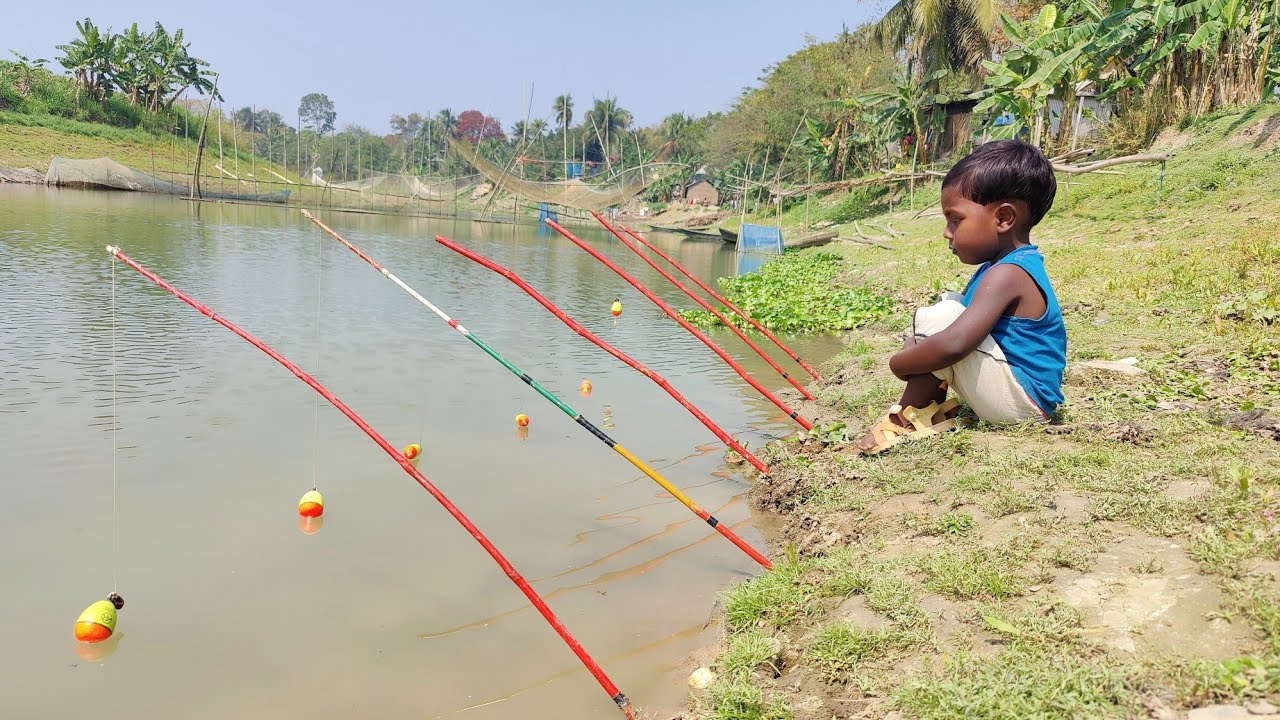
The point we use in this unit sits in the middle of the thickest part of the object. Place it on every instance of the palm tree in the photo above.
(447, 120)
(563, 109)
(674, 125)
(608, 119)
(954, 35)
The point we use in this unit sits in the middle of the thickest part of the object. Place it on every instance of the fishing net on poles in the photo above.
(107, 173)
(399, 185)
(571, 193)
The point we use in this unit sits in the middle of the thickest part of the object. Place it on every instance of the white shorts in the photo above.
(983, 378)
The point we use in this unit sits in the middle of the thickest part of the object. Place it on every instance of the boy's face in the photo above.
(973, 230)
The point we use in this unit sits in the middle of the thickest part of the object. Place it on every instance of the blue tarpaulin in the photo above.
(760, 239)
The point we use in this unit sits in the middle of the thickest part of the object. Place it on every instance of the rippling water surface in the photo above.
(391, 610)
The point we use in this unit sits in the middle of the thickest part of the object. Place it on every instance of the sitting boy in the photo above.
(1001, 345)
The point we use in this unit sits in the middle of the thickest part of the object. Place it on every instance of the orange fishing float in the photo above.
(311, 505)
(522, 420)
(98, 621)
(585, 388)
(413, 453)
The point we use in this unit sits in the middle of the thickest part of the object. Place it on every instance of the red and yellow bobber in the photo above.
(98, 621)
(413, 453)
(311, 505)
(616, 308)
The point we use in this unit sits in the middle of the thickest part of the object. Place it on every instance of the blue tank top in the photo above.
(1036, 348)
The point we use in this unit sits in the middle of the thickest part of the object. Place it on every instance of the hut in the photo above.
(698, 190)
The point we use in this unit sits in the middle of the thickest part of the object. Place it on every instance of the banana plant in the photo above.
(900, 107)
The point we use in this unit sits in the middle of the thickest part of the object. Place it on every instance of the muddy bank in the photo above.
(25, 176)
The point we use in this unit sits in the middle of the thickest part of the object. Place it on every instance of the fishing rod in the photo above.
(578, 328)
(706, 306)
(614, 694)
(723, 301)
(671, 312)
(577, 417)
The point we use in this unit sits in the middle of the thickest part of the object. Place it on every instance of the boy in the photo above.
(1001, 345)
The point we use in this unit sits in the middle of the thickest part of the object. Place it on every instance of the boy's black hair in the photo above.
(1006, 170)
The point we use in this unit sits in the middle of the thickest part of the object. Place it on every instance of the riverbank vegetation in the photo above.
(1121, 562)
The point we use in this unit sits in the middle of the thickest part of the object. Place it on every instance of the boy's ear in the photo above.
(1006, 216)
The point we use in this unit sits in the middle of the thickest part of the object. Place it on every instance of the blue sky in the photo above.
(378, 57)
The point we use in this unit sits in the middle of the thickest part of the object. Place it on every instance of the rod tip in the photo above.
(113, 249)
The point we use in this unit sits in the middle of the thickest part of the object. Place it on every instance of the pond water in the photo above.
(390, 610)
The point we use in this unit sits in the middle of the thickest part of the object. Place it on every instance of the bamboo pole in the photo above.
(204, 127)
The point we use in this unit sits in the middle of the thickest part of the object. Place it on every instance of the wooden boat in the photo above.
(818, 240)
(688, 232)
(728, 236)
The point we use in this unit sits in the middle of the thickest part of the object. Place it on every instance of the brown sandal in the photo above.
(929, 420)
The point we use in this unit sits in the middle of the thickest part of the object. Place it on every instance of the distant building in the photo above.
(698, 190)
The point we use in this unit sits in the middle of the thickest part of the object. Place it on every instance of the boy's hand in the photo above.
(1001, 286)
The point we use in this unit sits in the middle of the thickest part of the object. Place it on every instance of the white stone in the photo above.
(701, 678)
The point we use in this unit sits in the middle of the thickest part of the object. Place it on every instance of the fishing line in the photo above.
(315, 444)
(115, 432)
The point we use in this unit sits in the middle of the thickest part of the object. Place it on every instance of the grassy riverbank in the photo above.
(1118, 563)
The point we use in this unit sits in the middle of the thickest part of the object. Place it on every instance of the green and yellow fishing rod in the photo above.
(551, 397)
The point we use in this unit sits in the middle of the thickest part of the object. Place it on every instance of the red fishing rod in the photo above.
(616, 695)
(551, 397)
(706, 306)
(578, 328)
(671, 312)
(721, 299)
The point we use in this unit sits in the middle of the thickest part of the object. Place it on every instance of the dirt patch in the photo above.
(1145, 593)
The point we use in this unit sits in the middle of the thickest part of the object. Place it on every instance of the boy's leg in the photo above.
(921, 390)
(982, 378)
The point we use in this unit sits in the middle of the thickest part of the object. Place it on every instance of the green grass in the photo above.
(842, 648)
(972, 574)
(1021, 684)
(777, 598)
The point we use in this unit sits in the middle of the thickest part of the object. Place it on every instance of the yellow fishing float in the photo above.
(311, 505)
(585, 388)
(616, 308)
(98, 621)
(413, 453)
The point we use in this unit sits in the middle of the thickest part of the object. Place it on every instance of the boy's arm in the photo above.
(1000, 287)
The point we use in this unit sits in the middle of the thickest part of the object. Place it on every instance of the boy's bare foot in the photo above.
(883, 433)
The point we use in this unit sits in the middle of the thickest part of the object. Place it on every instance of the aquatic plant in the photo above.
(794, 294)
